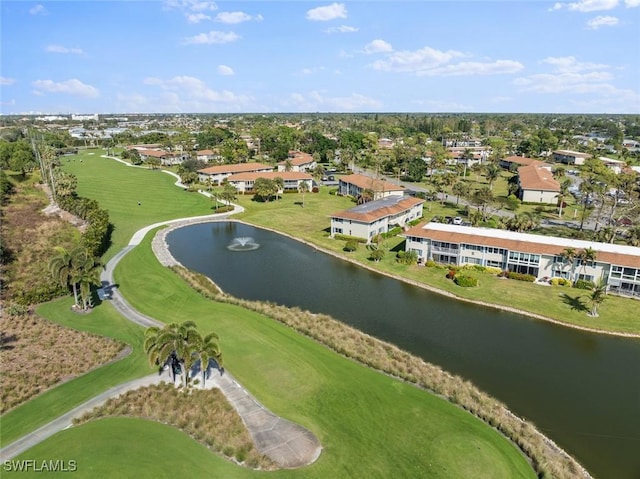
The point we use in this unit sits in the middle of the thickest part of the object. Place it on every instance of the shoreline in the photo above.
(160, 249)
(418, 284)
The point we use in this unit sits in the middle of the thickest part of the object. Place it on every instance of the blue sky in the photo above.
(196, 56)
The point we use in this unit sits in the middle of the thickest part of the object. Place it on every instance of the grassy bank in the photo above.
(103, 321)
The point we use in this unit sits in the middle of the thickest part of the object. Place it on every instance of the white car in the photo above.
(457, 220)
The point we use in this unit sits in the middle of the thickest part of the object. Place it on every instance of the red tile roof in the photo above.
(364, 182)
(520, 160)
(235, 168)
(536, 176)
(375, 214)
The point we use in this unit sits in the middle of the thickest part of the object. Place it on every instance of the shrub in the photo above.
(407, 257)
(451, 274)
(521, 276)
(376, 255)
(492, 270)
(475, 267)
(430, 263)
(465, 281)
(392, 232)
(348, 238)
(560, 282)
(350, 245)
(584, 284)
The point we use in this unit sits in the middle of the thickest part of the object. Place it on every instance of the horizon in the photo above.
(277, 57)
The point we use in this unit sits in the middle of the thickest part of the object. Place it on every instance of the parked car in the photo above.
(457, 220)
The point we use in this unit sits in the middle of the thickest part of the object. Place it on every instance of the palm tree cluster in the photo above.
(78, 269)
(179, 346)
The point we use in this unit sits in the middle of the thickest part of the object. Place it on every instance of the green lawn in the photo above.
(119, 188)
(103, 320)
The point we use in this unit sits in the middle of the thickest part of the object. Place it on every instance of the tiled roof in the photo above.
(205, 152)
(374, 210)
(576, 154)
(365, 182)
(298, 158)
(520, 160)
(536, 177)
(285, 175)
(235, 168)
(154, 153)
(525, 242)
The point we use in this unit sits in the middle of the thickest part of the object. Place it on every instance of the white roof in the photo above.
(531, 238)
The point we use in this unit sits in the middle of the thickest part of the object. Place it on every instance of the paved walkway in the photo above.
(287, 444)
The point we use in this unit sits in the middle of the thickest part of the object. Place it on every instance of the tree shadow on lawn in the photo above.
(575, 302)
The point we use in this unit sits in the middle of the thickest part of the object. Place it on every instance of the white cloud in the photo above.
(37, 10)
(415, 61)
(632, 3)
(556, 6)
(7, 81)
(329, 12)
(190, 5)
(499, 67)
(61, 49)
(602, 21)
(318, 101)
(225, 70)
(378, 46)
(236, 17)
(196, 17)
(592, 5)
(311, 71)
(571, 64)
(342, 29)
(184, 92)
(211, 37)
(71, 87)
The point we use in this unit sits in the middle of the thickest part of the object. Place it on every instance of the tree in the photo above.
(61, 268)
(597, 296)
(416, 169)
(278, 181)
(177, 342)
(153, 162)
(482, 197)
(228, 193)
(365, 196)
(303, 187)
(207, 348)
(586, 256)
(492, 173)
(265, 189)
(76, 268)
(569, 256)
(461, 188)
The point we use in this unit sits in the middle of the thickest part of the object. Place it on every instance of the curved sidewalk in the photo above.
(288, 444)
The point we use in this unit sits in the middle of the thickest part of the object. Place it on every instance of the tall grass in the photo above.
(546, 457)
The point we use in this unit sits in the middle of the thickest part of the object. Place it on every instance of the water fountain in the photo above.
(244, 243)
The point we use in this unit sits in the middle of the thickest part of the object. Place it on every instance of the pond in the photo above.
(579, 388)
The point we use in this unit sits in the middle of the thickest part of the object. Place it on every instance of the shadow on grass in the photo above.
(575, 302)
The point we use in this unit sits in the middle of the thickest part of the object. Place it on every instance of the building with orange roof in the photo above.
(509, 161)
(244, 182)
(217, 174)
(536, 183)
(376, 217)
(540, 256)
(354, 185)
(299, 161)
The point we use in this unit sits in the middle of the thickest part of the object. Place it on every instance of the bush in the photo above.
(475, 267)
(376, 255)
(350, 245)
(451, 274)
(407, 257)
(521, 276)
(392, 232)
(349, 238)
(560, 282)
(492, 270)
(584, 284)
(430, 263)
(465, 281)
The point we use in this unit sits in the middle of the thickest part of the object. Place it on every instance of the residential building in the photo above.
(519, 161)
(217, 174)
(298, 161)
(536, 184)
(614, 165)
(376, 217)
(166, 157)
(244, 182)
(570, 157)
(207, 156)
(540, 256)
(354, 185)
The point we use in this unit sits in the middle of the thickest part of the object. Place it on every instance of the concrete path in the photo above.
(287, 444)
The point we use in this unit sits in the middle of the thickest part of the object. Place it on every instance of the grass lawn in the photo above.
(118, 188)
(103, 320)
(369, 424)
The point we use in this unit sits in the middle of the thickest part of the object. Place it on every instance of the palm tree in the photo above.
(492, 173)
(303, 187)
(461, 188)
(206, 349)
(174, 340)
(587, 255)
(62, 270)
(597, 296)
(569, 256)
(88, 274)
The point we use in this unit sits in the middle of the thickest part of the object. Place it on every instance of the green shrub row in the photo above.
(465, 281)
(521, 276)
(584, 284)
(341, 237)
(97, 236)
(560, 282)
